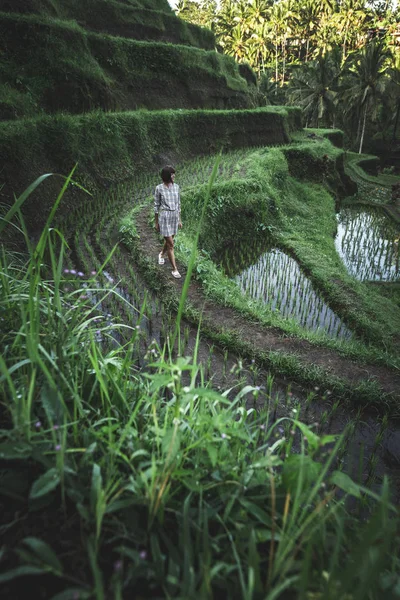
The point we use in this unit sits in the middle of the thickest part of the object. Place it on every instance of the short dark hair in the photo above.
(166, 173)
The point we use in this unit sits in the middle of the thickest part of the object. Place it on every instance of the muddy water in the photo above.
(367, 240)
(275, 279)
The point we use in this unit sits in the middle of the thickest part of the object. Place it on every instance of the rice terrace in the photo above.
(226, 427)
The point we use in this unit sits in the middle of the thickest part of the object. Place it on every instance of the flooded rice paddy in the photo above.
(275, 279)
(368, 243)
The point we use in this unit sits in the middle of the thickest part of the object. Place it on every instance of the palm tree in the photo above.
(364, 83)
(275, 32)
(308, 18)
(395, 90)
(259, 48)
(352, 17)
(313, 88)
(234, 43)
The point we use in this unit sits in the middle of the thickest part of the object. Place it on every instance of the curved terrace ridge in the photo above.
(256, 338)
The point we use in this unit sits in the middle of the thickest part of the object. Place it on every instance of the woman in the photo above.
(167, 210)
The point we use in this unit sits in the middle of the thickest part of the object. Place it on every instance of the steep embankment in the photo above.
(111, 147)
(62, 67)
(91, 63)
(140, 20)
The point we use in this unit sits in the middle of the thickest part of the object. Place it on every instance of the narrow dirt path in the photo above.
(261, 338)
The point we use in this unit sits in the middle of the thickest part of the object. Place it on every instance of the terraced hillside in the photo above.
(56, 63)
(102, 65)
(78, 81)
(110, 91)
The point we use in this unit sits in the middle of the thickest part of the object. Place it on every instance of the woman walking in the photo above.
(167, 210)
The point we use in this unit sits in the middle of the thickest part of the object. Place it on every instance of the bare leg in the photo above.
(169, 244)
(164, 250)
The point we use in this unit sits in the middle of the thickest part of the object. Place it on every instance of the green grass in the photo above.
(354, 165)
(175, 490)
(66, 68)
(78, 8)
(299, 218)
(255, 196)
(335, 136)
(115, 147)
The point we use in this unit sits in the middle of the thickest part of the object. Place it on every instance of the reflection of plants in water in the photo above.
(276, 279)
(368, 243)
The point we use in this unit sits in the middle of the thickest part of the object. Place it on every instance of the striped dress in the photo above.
(167, 204)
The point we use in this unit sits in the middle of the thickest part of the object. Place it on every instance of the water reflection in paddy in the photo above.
(276, 279)
(368, 243)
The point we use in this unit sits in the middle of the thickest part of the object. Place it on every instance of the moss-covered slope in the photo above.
(141, 20)
(54, 65)
(111, 147)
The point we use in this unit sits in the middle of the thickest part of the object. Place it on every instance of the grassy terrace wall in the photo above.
(139, 20)
(60, 8)
(314, 163)
(56, 65)
(113, 147)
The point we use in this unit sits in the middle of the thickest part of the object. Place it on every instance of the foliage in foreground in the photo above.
(146, 481)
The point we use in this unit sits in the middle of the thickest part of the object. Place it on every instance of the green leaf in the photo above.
(171, 443)
(256, 512)
(299, 465)
(15, 450)
(213, 454)
(50, 401)
(83, 511)
(20, 571)
(120, 505)
(97, 483)
(159, 380)
(19, 201)
(44, 484)
(44, 553)
(312, 438)
(328, 439)
(345, 483)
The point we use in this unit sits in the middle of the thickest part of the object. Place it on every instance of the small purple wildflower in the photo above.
(66, 270)
(143, 554)
(73, 272)
(38, 424)
(58, 447)
(262, 427)
(55, 427)
(93, 273)
(223, 435)
(80, 274)
(280, 429)
(118, 566)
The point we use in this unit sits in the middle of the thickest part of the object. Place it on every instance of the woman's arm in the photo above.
(157, 202)
(179, 207)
